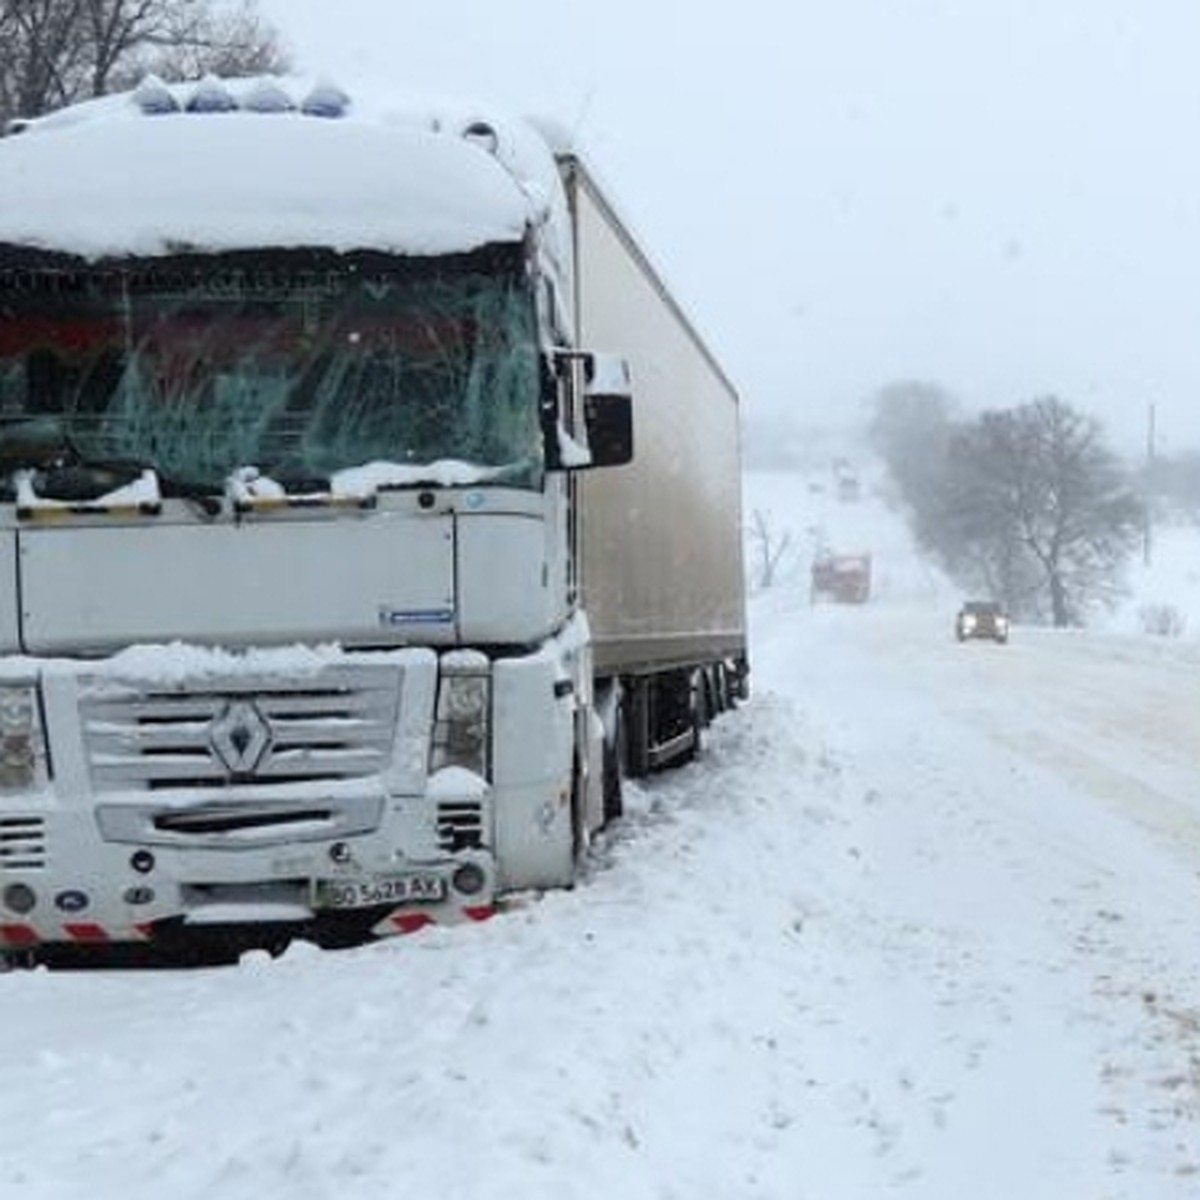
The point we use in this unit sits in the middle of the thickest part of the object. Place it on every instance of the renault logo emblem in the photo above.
(239, 735)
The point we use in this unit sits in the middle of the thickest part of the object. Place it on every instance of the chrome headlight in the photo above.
(463, 723)
(22, 747)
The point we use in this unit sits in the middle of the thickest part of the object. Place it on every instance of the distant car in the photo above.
(981, 619)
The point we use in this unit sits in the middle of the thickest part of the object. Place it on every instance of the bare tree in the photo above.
(963, 518)
(201, 37)
(43, 58)
(56, 52)
(910, 425)
(770, 548)
(1033, 503)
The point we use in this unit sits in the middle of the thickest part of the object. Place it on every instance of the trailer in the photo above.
(662, 551)
(368, 509)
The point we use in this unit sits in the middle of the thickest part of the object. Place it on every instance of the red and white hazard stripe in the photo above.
(405, 921)
(76, 933)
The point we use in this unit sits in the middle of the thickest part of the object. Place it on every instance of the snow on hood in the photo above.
(106, 179)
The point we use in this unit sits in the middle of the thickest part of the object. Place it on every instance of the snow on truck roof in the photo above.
(238, 164)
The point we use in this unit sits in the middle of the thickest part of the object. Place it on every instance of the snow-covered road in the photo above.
(922, 922)
(1033, 814)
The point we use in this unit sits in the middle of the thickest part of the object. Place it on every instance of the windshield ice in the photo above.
(201, 369)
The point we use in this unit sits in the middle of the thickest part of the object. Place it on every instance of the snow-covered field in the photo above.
(924, 921)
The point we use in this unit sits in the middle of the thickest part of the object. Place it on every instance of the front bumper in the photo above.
(78, 893)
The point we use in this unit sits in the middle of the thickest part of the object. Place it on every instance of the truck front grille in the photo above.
(22, 844)
(338, 724)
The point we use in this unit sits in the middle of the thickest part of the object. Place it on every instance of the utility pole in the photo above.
(1147, 486)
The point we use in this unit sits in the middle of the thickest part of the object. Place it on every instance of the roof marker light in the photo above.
(483, 135)
(268, 97)
(325, 100)
(211, 96)
(154, 98)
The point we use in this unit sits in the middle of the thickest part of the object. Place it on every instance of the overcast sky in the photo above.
(999, 196)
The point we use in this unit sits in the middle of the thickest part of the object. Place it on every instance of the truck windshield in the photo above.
(201, 370)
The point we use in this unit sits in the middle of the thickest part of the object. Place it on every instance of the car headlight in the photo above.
(463, 722)
(968, 622)
(22, 746)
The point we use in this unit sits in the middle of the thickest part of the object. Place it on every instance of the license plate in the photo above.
(366, 893)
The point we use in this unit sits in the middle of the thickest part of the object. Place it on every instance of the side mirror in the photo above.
(609, 420)
(593, 424)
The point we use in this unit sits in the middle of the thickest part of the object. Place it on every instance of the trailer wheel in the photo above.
(710, 696)
(581, 838)
(613, 767)
(724, 698)
(636, 738)
(701, 713)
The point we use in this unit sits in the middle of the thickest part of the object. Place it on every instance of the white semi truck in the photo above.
(367, 509)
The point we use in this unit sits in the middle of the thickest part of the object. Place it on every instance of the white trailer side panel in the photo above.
(662, 546)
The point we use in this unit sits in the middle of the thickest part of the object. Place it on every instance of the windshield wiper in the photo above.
(84, 481)
(81, 483)
(61, 472)
(203, 496)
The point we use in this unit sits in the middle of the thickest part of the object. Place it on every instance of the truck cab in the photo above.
(293, 632)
